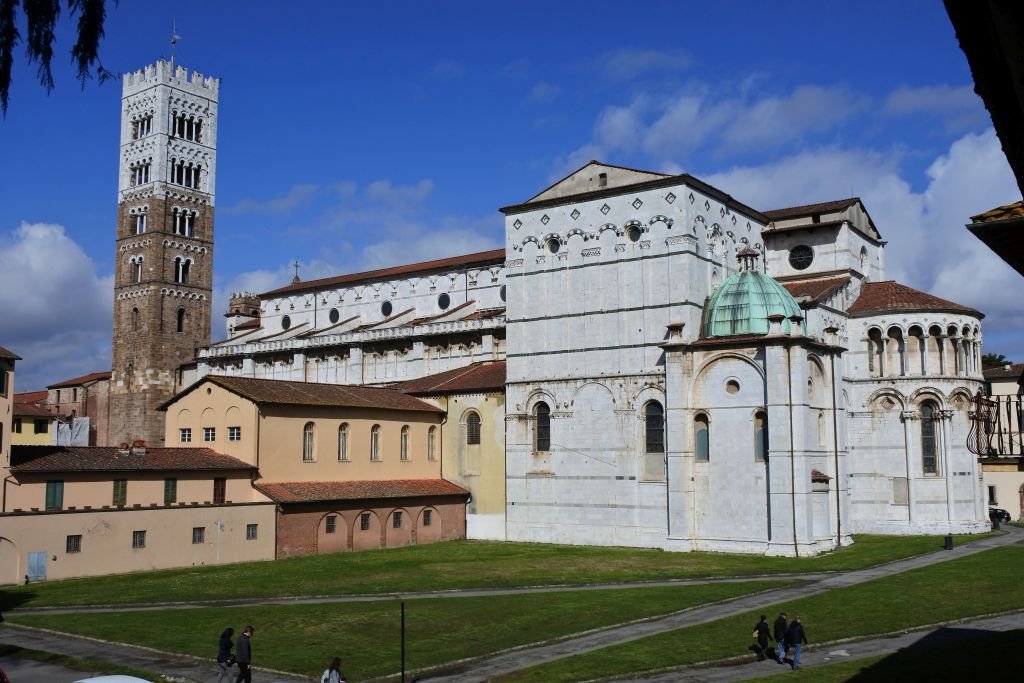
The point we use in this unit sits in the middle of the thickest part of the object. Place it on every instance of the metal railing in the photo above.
(996, 425)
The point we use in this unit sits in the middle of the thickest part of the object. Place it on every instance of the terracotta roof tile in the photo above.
(807, 209)
(111, 459)
(1014, 371)
(8, 355)
(887, 296)
(817, 289)
(486, 314)
(474, 378)
(78, 381)
(30, 410)
(1001, 213)
(820, 477)
(480, 258)
(281, 392)
(31, 396)
(316, 491)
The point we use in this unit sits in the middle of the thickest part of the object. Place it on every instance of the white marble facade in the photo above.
(853, 420)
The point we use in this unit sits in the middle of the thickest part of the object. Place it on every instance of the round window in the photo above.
(634, 233)
(501, 292)
(286, 322)
(444, 301)
(554, 245)
(386, 308)
(801, 256)
(732, 387)
(334, 316)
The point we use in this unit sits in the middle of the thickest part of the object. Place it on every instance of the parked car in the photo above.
(998, 514)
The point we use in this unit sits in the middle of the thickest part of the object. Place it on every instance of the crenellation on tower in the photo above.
(164, 274)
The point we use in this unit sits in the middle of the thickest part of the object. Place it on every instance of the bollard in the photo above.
(949, 541)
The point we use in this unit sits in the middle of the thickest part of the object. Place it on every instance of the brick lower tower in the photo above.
(163, 278)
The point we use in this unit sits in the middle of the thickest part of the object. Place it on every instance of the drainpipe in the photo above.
(792, 445)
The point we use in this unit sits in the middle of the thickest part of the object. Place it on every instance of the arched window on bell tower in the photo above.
(135, 320)
(181, 320)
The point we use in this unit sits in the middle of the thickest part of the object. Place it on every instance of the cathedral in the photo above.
(679, 370)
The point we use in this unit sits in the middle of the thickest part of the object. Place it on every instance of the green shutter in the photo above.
(170, 491)
(54, 495)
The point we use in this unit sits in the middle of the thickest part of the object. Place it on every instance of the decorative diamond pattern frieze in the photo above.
(605, 209)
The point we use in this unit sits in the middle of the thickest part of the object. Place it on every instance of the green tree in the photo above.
(41, 18)
(994, 360)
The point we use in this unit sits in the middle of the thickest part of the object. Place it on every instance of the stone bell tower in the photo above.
(163, 277)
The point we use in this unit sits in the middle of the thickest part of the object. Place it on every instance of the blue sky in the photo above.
(357, 136)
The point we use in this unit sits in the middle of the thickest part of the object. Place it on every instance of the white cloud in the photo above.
(448, 70)
(299, 195)
(384, 191)
(958, 107)
(57, 308)
(698, 118)
(626, 64)
(928, 246)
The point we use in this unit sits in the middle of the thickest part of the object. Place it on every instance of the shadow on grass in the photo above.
(949, 654)
(10, 600)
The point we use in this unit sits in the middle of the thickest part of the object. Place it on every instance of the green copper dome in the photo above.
(742, 304)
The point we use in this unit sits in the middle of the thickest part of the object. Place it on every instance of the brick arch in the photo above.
(335, 542)
(402, 535)
(370, 538)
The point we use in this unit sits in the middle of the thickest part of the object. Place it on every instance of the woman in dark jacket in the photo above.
(224, 655)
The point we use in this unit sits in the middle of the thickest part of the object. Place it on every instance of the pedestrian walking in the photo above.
(781, 626)
(225, 660)
(796, 638)
(763, 635)
(332, 674)
(243, 653)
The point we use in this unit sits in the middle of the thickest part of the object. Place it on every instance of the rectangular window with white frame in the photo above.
(209, 434)
(185, 435)
(234, 433)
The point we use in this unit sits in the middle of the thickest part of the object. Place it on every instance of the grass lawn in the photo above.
(301, 638)
(970, 586)
(443, 566)
(990, 656)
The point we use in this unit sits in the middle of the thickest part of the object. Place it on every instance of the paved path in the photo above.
(24, 670)
(195, 669)
(831, 654)
(507, 662)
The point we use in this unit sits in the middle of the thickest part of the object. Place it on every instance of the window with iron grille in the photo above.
(472, 429)
(396, 520)
(250, 532)
(428, 517)
(929, 459)
(332, 523)
(138, 539)
(198, 535)
(74, 544)
(542, 427)
(364, 521)
(308, 433)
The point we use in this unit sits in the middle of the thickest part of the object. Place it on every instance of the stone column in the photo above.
(947, 462)
(678, 441)
(912, 458)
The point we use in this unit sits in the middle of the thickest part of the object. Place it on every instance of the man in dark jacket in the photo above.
(763, 636)
(796, 637)
(243, 653)
(780, 635)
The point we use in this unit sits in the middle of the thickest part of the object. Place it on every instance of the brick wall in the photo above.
(302, 529)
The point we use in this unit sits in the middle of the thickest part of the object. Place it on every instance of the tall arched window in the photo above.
(654, 427)
(343, 442)
(473, 429)
(542, 430)
(135, 319)
(929, 443)
(308, 438)
(761, 436)
(137, 267)
(702, 438)
(432, 443)
(821, 429)
(375, 443)
(404, 452)
(181, 319)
